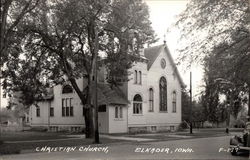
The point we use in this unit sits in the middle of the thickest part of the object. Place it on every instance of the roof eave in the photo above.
(175, 67)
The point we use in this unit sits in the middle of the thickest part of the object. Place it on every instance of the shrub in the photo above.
(9, 150)
(1, 142)
(39, 129)
(239, 123)
(137, 130)
(207, 124)
(182, 126)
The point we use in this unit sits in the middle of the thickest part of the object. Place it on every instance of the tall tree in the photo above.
(25, 77)
(73, 34)
(198, 113)
(205, 24)
(185, 108)
(218, 32)
(12, 12)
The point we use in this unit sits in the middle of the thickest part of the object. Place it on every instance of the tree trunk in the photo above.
(96, 124)
(248, 119)
(94, 48)
(3, 21)
(88, 111)
(89, 128)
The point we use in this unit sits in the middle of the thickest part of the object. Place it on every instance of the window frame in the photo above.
(151, 100)
(140, 77)
(67, 107)
(67, 89)
(137, 105)
(163, 91)
(38, 111)
(174, 101)
(51, 111)
(118, 112)
(102, 108)
(135, 77)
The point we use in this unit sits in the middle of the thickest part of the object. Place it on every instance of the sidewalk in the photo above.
(72, 137)
(197, 133)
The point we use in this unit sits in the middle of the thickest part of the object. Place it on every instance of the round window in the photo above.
(163, 63)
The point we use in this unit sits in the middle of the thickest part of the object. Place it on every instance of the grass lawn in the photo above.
(14, 148)
(11, 147)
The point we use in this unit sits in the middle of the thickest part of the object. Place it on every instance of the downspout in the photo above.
(127, 119)
(108, 118)
(49, 106)
(31, 119)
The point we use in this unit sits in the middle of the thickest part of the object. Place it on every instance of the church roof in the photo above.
(152, 53)
(48, 96)
(108, 95)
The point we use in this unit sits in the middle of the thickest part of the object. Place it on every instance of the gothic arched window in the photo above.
(163, 94)
(174, 102)
(151, 100)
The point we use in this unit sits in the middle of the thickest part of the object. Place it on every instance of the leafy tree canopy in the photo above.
(216, 34)
(12, 14)
(63, 39)
(209, 23)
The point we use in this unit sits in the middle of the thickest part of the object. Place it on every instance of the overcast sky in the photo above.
(162, 15)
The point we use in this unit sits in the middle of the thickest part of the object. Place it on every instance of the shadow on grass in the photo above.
(5, 149)
(30, 147)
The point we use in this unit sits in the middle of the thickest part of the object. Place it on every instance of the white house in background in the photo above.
(4, 98)
(149, 101)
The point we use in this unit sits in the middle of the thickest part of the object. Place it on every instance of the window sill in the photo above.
(138, 84)
(118, 119)
(137, 114)
(163, 111)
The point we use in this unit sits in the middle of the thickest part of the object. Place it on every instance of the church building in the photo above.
(149, 101)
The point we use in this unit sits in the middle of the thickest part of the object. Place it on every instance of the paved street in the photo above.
(200, 148)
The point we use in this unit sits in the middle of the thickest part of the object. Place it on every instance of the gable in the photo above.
(153, 52)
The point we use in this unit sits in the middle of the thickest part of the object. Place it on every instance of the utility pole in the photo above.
(190, 116)
(229, 103)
